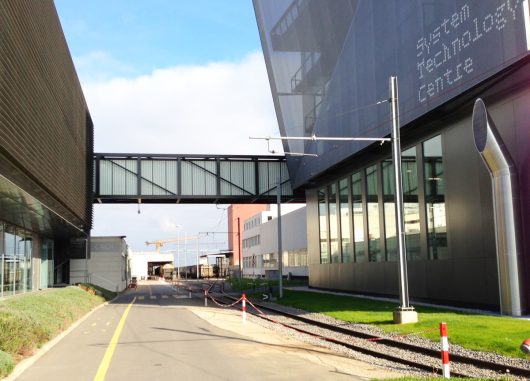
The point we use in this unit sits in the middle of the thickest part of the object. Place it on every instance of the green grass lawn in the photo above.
(29, 320)
(502, 335)
(261, 283)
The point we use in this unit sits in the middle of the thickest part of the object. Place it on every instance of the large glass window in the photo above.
(323, 226)
(347, 252)
(409, 168)
(390, 210)
(20, 261)
(333, 228)
(434, 198)
(15, 266)
(9, 283)
(28, 251)
(358, 217)
(411, 212)
(372, 208)
(3, 278)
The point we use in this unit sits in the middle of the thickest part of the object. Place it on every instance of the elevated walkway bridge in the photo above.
(197, 179)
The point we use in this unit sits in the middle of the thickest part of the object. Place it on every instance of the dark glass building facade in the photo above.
(329, 64)
(46, 150)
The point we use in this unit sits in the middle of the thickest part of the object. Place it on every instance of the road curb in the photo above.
(26, 363)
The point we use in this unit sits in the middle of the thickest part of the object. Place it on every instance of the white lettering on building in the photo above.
(440, 64)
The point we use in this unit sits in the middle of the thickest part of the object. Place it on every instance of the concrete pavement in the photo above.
(167, 336)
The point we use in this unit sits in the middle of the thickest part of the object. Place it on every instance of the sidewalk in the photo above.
(231, 320)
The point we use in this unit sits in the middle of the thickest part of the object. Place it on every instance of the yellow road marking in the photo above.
(141, 297)
(105, 363)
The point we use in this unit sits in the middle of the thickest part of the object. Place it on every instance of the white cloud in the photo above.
(100, 66)
(209, 109)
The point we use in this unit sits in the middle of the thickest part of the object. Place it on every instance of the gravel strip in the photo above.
(372, 330)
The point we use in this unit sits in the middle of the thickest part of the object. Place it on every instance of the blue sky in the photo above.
(136, 37)
(169, 76)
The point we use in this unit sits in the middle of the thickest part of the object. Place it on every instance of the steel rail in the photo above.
(460, 359)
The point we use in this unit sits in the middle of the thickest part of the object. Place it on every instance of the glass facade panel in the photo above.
(323, 224)
(328, 60)
(347, 250)
(20, 262)
(372, 208)
(390, 210)
(28, 255)
(358, 216)
(411, 206)
(434, 198)
(333, 228)
(9, 260)
(16, 260)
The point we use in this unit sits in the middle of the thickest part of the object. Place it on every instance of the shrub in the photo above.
(6, 364)
(27, 321)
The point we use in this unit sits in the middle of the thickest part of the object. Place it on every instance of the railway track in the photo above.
(390, 349)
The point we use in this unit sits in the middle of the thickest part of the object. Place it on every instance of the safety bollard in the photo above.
(205, 298)
(189, 293)
(244, 308)
(445, 350)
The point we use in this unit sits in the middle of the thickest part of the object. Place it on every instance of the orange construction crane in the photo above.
(161, 242)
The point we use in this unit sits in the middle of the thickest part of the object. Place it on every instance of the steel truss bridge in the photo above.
(197, 179)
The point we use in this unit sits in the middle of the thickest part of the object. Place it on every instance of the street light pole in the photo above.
(404, 313)
(280, 249)
(197, 256)
(179, 227)
(239, 248)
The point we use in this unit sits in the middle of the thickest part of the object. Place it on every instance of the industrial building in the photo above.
(467, 220)
(46, 150)
(108, 265)
(260, 244)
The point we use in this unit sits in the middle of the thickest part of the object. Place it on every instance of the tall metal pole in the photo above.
(178, 255)
(186, 257)
(239, 248)
(280, 249)
(197, 256)
(86, 258)
(400, 223)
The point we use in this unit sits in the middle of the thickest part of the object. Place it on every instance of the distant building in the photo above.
(107, 266)
(260, 244)
(236, 216)
(147, 263)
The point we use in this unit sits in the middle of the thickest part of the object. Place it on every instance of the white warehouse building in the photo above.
(260, 244)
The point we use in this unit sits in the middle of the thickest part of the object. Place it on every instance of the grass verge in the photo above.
(97, 290)
(28, 321)
(501, 335)
(260, 284)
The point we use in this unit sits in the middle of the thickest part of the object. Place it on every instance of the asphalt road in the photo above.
(166, 336)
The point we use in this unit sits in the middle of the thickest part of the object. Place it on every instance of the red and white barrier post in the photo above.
(244, 308)
(445, 350)
(205, 298)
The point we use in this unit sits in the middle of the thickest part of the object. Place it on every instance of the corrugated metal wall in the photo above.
(43, 114)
